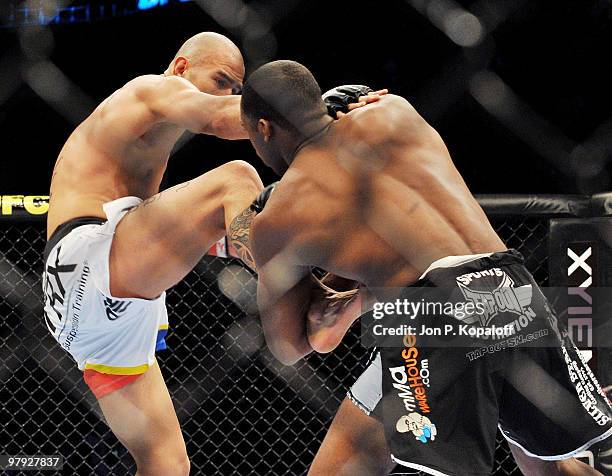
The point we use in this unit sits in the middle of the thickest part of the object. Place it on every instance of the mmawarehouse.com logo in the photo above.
(33, 204)
(411, 381)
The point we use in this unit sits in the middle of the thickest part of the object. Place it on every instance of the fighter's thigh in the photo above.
(142, 417)
(160, 241)
(354, 445)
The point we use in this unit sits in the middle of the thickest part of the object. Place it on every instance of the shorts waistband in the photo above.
(451, 261)
(65, 228)
(475, 262)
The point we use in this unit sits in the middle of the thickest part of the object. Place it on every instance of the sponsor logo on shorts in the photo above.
(420, 426)
(411, 381)
(77, 309)
(587, 388)
(466, 279)
(114, 309)
(54, 290)
(505, 298)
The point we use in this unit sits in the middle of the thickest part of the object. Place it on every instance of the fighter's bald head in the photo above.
(212, 62)
(206, 45)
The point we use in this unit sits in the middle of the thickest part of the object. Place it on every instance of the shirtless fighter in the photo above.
(374, 197)
(110, 257)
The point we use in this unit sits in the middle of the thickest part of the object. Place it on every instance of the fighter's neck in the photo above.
(317, 133)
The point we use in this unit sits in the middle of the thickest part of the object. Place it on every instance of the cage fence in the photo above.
(241, 412)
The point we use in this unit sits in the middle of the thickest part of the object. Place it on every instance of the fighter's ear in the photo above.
(265, 129)
(180, 65)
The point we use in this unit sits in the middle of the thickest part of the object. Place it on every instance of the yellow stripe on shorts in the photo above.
(109, 369)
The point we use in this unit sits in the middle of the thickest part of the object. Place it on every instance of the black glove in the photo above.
(339, 98)
(260, 202)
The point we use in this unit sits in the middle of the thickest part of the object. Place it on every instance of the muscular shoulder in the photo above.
(391, 118)
(290, 220)
(147, 88)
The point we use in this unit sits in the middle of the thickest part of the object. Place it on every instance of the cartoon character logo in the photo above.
(420, 426)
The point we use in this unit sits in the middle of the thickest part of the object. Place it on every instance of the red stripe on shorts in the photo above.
(103, 384)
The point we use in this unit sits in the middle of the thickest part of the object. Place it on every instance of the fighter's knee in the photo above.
(164, 464)
(570, 467)
(242, 171)
(566, 467)
(241, 185)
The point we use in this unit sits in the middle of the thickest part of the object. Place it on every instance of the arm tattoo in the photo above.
(239, 237)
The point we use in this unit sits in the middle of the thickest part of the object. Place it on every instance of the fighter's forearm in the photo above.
(283, 313)
(287, 348)
(226, 123)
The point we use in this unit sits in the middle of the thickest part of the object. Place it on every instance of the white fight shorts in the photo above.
(111, 335)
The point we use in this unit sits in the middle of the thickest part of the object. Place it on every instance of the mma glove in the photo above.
(260, 201)
(339, 98)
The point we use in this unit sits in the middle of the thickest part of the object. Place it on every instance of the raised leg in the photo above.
(159, 242)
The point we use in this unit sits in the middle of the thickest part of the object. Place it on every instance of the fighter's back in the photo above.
(381, 200)
(119, 150)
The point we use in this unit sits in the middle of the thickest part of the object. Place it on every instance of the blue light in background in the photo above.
(30, 14)
(147, 4)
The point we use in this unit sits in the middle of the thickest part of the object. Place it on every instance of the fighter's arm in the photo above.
(284, 288)
(175, 100)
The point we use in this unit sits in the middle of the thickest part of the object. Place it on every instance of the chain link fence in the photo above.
(241, 412)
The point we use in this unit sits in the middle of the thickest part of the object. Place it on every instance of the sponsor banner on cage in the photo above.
(32, 204)
(582, 278)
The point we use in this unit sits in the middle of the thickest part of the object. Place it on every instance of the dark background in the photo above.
(525, 111)
(554, 56)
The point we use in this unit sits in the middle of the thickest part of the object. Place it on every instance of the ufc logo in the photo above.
(33, 204)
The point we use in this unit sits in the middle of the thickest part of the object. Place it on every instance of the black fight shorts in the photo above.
(441, 404)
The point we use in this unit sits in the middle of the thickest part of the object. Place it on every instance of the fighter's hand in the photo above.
(339, 99)
(373, 96)
(260, 201)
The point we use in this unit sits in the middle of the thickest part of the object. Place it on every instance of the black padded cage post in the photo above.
(241, 412)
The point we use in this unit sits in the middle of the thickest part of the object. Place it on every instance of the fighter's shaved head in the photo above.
(210, 61)
(202, 46)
